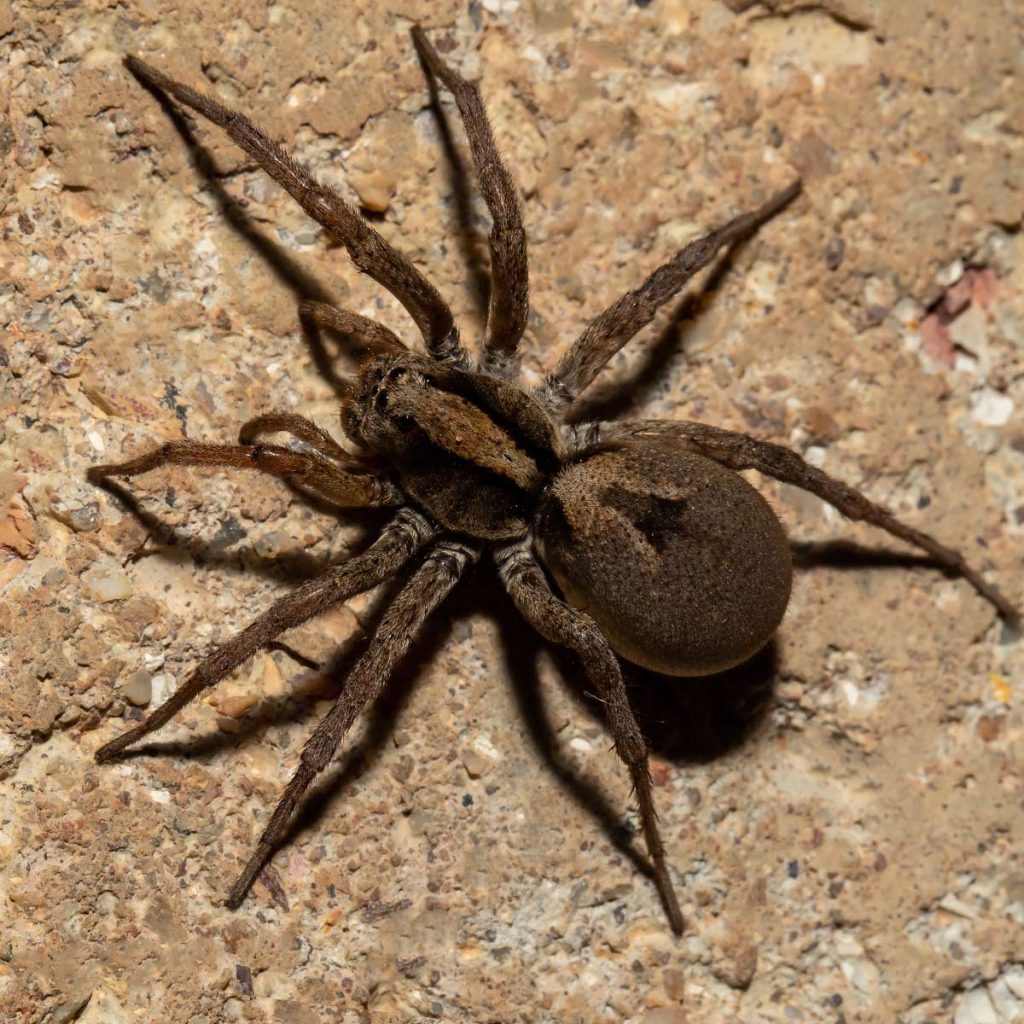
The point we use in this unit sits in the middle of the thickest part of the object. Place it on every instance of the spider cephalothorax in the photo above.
(472, 449)
(661, 551)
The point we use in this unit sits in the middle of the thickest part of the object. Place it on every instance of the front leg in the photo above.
(607, 333)
(556, 621)
(314, 471)
(509, 305)
(370, 252)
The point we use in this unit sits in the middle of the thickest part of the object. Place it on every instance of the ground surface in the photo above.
(844, 818)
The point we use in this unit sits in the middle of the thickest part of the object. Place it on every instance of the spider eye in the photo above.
(405, 423)
(381, 401)
(395, 372)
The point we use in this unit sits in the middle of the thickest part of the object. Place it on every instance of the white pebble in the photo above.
(163, 686)
(815, 455)
(7, 744)
(678, 95)
(991, 409)
(976, 1008)
(1005, 999)
(950, 275)
(108, 584)
(1013, 978)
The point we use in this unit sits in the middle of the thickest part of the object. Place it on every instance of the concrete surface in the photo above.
(844, 817)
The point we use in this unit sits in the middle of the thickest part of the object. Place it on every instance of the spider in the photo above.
(637, 540)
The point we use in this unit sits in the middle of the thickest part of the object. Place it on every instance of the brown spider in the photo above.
(664, 553)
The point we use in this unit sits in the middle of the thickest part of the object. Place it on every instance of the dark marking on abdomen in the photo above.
(655, 518)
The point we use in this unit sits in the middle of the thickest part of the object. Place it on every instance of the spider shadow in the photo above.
(291, 568)
(846, 554)
(303, 284)
(725, 701)
(521, 649)
(692, 720)
(382, 716)
(286, 708)
(685, 720)
(282, 264)
(357, 758)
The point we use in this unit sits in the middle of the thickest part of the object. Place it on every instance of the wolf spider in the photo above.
(663, 553)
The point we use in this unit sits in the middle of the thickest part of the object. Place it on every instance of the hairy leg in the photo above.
(400, 623)
(738, 451)
(509, 303)
(606, 334)
(401, 538)
(369, 333)
(298, 426)
(315, 471)
(368, 249)
(554, 619)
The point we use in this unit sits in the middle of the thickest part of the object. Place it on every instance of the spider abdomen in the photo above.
(681, 562)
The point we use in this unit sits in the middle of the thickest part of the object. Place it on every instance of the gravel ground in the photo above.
(843, 816)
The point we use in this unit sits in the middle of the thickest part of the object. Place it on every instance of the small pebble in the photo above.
(992, 409)
(976, 1008)
(474, 762)
(373, 189)
(950, 275)
(138, 688)
(69, 1011)
(234, 705)
(243, 975)
(108, 584)
(737, 967)
(665, 1015)
(106, 902)
(270, 544)
(935, 340)
(208, 833)
(85, 519)
(71, 714)
(957, 297)
(834, 253)
(164, 684)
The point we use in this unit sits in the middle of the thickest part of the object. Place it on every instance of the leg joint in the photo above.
(413, 527)
(454, 556)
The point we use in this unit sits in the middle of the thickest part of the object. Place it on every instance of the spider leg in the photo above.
(315, 471)
(509, 302)
(369, 333)
(738, 451)
(368, 249)
(400, 539)
(298, 426)
(441, 569)
(609, 331)
(554, 619)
